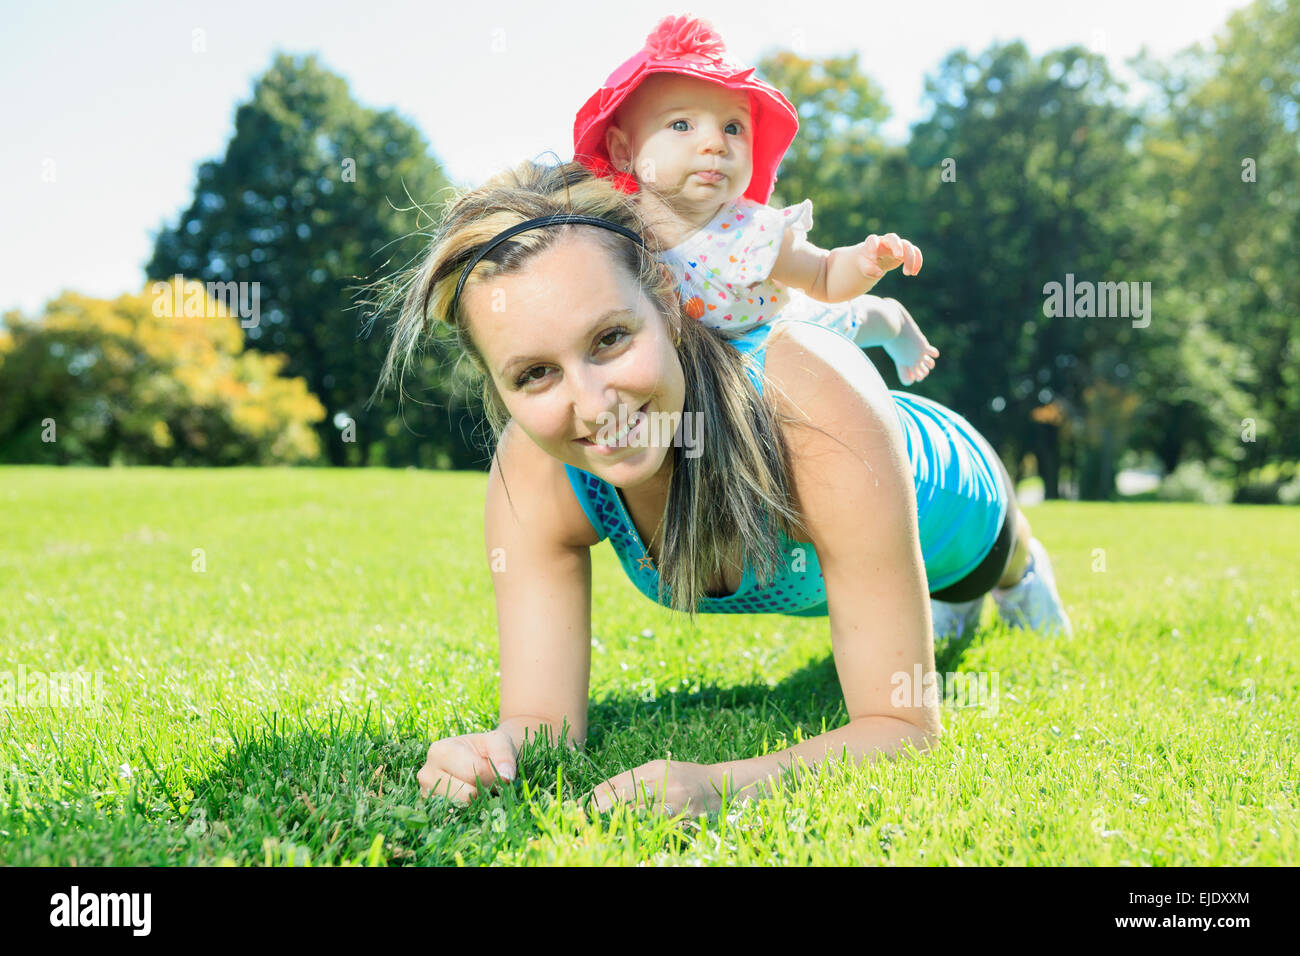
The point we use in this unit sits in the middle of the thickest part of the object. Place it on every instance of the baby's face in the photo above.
(689, 140)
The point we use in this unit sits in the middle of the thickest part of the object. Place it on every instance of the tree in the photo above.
(835, 160)
(840, 160)
(1225, 146)
(1011, 183)
(160, 377)
(314, 196)
(1026, 175)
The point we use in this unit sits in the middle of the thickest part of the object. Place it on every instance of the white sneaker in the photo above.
(1033, 602)
(955, 620)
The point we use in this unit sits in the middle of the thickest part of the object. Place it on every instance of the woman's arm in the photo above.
(538, 544)
(858, 505)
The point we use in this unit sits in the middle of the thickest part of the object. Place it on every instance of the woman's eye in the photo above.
(618, 331)
(524, 379)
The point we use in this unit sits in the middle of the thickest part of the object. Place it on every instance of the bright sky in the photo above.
(113, 101)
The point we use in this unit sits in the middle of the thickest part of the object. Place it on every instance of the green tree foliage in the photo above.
(314, 197)
(840, 160)
(1043, 156)
(137, 381)
(1026, 170)
(1224, 148)
(836, 158)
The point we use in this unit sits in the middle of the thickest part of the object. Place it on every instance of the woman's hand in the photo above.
(878, 254)
(454, 762)
(669, 785)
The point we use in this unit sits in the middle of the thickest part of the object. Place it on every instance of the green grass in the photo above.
(275, 707)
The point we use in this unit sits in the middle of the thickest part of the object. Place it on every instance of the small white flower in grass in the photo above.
(124, 771)
(199, 825)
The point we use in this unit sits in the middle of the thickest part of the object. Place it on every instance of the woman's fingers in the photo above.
(606, 795)
(440, 783)
(499, 751)
(637, 786)
(457, 758)
(457, 766)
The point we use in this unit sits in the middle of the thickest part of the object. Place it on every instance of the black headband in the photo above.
(554, 219)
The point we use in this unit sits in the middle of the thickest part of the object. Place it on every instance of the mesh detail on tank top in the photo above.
(801, 593)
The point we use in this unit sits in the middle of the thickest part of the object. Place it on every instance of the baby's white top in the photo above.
(728, 263)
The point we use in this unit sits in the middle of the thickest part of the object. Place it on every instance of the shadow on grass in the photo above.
(326, 791)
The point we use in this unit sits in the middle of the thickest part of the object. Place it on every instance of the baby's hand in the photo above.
(878, 254)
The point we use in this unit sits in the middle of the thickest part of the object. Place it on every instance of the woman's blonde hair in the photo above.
(721, 502)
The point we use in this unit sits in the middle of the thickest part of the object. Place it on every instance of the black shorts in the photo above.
(988, 572)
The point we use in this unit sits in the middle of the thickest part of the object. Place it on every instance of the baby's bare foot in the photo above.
(911, 351)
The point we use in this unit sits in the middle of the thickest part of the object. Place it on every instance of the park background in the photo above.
(277, 628)
(1018, 167)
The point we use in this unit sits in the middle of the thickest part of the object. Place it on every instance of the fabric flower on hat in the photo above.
(684, 38)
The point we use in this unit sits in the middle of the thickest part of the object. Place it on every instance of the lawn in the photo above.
(277, 648)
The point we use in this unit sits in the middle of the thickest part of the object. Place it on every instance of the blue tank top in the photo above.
(960, 507)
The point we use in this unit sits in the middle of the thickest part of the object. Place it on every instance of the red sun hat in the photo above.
(689, 47)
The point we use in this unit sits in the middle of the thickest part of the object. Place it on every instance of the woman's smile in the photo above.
(637, 423)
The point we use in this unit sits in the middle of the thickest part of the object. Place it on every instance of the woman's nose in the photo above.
(592, 397)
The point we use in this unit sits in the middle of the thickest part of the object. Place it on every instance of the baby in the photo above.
(699, 140)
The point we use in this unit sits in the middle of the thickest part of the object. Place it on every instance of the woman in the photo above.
(801, 495)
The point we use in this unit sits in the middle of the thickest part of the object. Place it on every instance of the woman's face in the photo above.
(576, 349)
